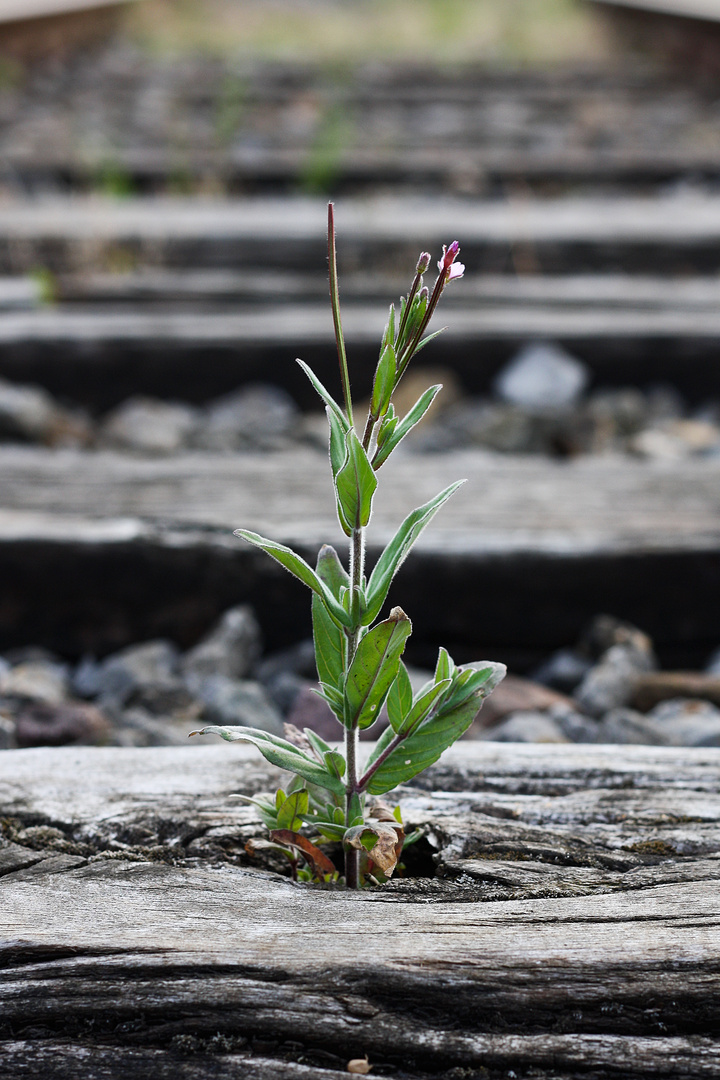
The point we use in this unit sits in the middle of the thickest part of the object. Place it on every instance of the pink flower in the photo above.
(447, 263)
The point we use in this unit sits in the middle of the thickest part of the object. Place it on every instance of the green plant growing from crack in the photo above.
(358, 654)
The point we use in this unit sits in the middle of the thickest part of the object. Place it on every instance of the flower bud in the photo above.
(423, 262)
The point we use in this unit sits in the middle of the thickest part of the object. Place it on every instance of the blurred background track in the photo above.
(162, 233)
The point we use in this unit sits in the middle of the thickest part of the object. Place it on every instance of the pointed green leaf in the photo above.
(413, 417)
(374, 669)
(430, 337)
(398, 549)
(444, 668)
(330, 640)
(335, 763)
(337, 447)
(301, 570)
(325, 394)
(399, 699)
(331, 570)
(318, 744)
(330, 829)
(291, 814)
(279, 752)
(387, 427)
(423, 746)
(388, 337)
(384, 384)
(482, 677)
(332, 696)
(424, 704)
(355, 484)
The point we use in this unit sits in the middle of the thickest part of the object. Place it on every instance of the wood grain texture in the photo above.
(136, 934)
(509, 504)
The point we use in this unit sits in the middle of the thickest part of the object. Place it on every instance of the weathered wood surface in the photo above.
(249, 126)
(571, 927)
(369, 225)
(510, 504)
(163, 287)
(98, 550)
(99, 358)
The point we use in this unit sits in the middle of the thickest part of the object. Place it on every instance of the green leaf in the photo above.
(337, 448)
(422, 748)
(318, 744)
(388, 337)
(444, 668)
(413, 417)
(330, 829)
(374, 669)
(330, 640)
(291, 814)
(384, 384)
(331, 570)
(281, 753)
(387, 426)
(335, 763)
(333, 698)
(429, 337)
(355, 484)
(398, 549)
(399, 699)
(325, 395)
(480, 678)
(423, 705)
(301, 570)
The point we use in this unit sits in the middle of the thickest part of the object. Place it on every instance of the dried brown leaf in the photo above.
(317, 859)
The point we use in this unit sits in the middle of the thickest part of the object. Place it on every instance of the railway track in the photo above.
(126, 122)
(188, 298)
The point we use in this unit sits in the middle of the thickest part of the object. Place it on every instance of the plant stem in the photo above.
(352, 857)
(335, 303)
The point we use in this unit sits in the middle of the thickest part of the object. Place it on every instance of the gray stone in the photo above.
(629, 727)
(310, 711)
(232, 647)
(498, 426)
(40, 680)
(256, 417)
(238, 702)
(610, 683)
(300, 659)
(563, 671)
(8, 740)
(139, 728)
(613, 416)
(284, 688)
(605, 631)
(574, 726)
(687, 722)
(41, 723)
(29, 414)
(169, 698)
(526, 727)
(150, 426)
(86, 679)
(126, 671)
(542, 376)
